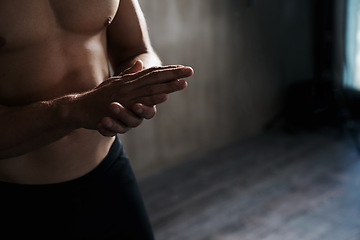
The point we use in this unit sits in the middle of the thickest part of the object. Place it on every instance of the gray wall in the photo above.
(244, 54)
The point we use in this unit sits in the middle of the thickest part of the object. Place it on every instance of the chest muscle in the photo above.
(26, 22)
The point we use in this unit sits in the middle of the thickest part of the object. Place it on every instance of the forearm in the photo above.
(25, 128)
(149, 59)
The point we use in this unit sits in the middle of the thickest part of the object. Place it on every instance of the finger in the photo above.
(125, 77)
(155, 70)
(103, 130)
(158, 89)
(151, 100)
(125, 116)
(131, 77)
(110, 127)
(162, 76)
(144, 111)
(156, 94)
(138, 66)
(106, 133)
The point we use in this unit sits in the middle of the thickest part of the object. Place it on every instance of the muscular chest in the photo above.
(23, 22)
(84, 15)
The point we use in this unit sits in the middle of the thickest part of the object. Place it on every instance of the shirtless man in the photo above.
(59, 113)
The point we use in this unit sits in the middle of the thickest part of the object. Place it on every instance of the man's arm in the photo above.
(128, 38)
(26, 128)
(128, 43)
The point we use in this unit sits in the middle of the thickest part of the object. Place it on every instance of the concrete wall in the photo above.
(244, 53)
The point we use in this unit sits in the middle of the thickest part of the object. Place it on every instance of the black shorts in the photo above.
(103, 204)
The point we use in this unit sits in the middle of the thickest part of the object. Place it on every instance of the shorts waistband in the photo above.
(115, 151)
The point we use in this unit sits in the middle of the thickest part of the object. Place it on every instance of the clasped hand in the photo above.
(122, 102)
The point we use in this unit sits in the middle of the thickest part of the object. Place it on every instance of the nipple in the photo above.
(108, 21)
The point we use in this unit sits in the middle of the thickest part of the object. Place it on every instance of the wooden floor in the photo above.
(276, 186)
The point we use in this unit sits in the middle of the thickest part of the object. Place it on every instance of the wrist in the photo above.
(67, 112)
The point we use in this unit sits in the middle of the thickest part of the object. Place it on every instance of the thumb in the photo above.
(138, 66)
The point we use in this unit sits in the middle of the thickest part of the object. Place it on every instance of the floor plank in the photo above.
(275, 186)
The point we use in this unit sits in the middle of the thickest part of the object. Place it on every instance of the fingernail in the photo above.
(187, 70)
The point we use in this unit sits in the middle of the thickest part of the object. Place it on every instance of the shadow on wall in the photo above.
(243, 53)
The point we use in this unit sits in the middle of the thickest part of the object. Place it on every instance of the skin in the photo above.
(58, 108)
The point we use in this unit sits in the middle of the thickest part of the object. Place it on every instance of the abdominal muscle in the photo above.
(66, 159)
(79, 68)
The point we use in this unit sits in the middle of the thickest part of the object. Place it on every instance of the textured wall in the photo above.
(244, 53)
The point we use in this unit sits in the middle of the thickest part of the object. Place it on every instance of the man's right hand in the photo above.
(121, 102)
(110, 127)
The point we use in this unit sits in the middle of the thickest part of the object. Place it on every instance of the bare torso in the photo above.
(49, 49)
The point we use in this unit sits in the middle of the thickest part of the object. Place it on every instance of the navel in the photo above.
(108, 21)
